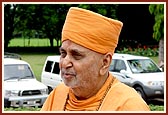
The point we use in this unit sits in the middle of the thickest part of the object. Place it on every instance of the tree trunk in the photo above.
(161, 53)
(58, 44)
(51, 42)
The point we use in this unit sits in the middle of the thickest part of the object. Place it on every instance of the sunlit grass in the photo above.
(36, 61)
(33, 42)
(155, 59)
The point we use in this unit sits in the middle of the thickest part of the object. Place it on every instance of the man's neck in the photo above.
(83, 93)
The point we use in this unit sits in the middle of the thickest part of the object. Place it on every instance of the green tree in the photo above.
(158, 11)
(9, 23)
(108, 10)
(53, 19)
(26, 20)
(45, 18)
(31, 18)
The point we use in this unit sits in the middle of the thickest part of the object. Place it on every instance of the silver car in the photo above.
(139, 72)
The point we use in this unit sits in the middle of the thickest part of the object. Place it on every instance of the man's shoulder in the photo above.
(60, 91)
(121, 89)
(56, 98)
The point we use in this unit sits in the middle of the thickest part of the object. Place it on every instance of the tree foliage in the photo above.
(108, 10)
(158, 11)
(47, 19)
(9, 24)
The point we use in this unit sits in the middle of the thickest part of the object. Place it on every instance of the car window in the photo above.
(56, 69)
(118, 65)
(48, 66)
(112, 65)
(17, 71)
(143, 66)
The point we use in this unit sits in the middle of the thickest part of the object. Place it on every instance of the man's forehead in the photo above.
(70, 45)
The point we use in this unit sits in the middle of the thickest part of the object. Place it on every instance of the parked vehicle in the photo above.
(50, 75)
(139, 72)
(20, 87)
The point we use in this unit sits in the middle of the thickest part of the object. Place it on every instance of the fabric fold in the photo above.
(91, 30)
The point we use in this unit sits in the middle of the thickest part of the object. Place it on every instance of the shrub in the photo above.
(156, 107)
(140, 51)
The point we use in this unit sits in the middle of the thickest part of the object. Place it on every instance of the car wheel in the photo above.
(140, 92)
(6, 103)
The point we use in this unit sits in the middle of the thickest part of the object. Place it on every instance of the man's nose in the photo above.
(66, 62)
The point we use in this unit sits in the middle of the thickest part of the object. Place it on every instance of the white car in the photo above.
(20, 87)
(139, 72)
(50, 75)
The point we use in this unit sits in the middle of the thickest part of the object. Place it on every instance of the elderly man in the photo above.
(88, 43)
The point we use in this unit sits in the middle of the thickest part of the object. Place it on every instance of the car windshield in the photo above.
(18, 71)
(143, 66)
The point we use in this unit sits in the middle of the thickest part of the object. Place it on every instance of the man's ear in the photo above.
(106, 63)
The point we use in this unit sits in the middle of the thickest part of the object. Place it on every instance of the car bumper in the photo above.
(153, 92)
(26, 101)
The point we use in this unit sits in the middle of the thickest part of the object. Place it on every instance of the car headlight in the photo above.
(156, 83)
(44, 91)
(11, 93)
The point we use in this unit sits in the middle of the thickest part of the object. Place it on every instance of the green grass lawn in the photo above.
(155, 59)
(36, 61)
(33, 42)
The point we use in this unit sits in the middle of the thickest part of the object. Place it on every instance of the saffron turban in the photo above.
(91, 30)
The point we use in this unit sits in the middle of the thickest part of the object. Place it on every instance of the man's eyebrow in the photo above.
(61, 49)
(76, 51)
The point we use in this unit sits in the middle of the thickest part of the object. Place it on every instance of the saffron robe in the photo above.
(119, 97)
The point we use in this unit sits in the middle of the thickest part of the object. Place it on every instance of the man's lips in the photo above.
(68, 75)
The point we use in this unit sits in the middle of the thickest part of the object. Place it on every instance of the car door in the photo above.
(116, 66)
(56, 77)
